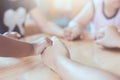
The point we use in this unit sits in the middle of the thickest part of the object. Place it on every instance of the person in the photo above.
(97, 13)
(11, 47)
(13, 14)
(57, 58)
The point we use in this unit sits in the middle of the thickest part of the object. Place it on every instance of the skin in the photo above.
(13, 35)
(85, 16)
(57, 57)
(14, 48)
(109, 37)
(44, 25)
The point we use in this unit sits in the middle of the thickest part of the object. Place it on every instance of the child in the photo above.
(100, 13)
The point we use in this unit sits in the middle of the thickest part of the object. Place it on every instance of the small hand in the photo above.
(72, 32)
(109, 37)
(54, 52)
(13, 35)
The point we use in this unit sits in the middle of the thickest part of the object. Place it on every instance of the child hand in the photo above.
(13, 35)
(72, 32)
(40, 45)
(54, 52)
(109, 37)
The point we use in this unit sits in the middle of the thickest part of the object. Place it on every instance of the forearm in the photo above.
(70, 70)
(14, 48)
(38, 17)
(85, 16)
(74, 23)
(45, 25)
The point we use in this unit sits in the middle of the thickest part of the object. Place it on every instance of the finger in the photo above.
(16, 34)
(41, 44)
(74, 36)
(57, 42)
(68, 37)
(101, 33)
(67, 33)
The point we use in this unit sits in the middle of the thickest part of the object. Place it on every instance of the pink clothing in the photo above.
(100, 20)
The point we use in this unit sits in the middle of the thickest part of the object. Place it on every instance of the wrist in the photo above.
(55, 29)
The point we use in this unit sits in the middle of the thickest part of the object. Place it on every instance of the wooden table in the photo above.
(85, 52)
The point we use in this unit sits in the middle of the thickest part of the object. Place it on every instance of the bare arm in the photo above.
(14, 48)
(71, 70)
(45, 25)
(85, 16)
(57, 57)
(76, 27)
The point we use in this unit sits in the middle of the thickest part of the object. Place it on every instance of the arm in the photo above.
(77, 71)
(45, 25)
(85, 16)
(57, 57)
(108, 37)
(13, 48)
(76, 27)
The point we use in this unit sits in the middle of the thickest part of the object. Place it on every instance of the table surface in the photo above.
(83, 51)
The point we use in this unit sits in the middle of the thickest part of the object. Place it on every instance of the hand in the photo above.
(54, 52)
(109, 37)
(73, 32)
(40, 45)
(13, 35)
